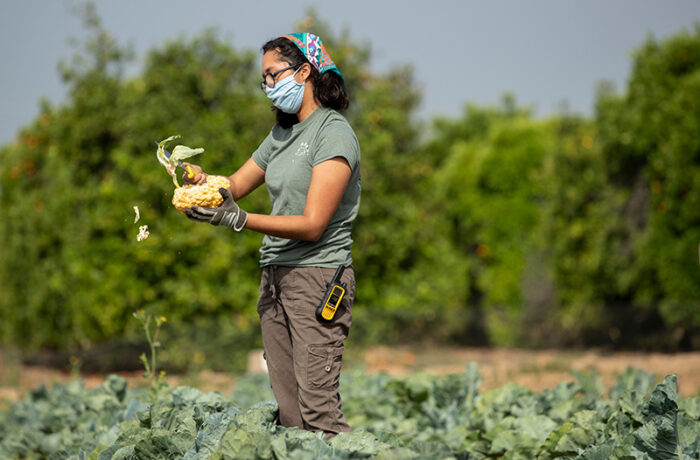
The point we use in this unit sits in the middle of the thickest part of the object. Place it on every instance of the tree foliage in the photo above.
(494, 227)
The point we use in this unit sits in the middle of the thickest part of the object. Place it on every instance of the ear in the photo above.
(304, 71)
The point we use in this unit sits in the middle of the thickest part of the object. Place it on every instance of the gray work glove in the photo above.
(227, 214)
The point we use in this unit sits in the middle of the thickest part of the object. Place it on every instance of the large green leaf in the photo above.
(659, 435)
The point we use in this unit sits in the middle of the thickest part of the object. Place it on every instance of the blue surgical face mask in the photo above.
(287, 94)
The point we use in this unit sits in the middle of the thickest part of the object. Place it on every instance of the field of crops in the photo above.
(419, 416)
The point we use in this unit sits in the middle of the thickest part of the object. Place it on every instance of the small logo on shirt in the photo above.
(303, 149)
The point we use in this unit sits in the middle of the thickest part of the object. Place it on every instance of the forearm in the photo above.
(249, 177)
(234, 189)
(290, 227)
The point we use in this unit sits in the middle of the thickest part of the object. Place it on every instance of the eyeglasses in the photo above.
(269, 80)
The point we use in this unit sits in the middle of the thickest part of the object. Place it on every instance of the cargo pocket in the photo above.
(324, 366)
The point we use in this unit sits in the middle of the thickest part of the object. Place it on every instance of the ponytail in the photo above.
(329, 90)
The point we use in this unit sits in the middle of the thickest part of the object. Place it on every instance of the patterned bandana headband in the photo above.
(312, 47)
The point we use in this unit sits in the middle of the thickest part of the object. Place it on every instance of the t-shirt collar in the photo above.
(303, 124)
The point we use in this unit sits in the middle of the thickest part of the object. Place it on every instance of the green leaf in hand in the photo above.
(180, 152)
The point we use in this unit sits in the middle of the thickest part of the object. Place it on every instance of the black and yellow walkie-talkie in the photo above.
(331, 300)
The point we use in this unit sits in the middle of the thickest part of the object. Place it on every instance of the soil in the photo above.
(537, 369)
(533, 369)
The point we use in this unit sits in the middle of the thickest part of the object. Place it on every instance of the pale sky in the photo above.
(543, 51)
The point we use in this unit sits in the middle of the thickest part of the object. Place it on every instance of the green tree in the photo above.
(69, 184)
(621, 216)
(494, 227)
(72, 261)
(580, 232)
(488, 186)
(648, 137)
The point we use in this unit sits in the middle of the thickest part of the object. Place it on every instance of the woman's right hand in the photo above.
(199, 178)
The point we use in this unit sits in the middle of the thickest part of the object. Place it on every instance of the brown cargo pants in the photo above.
(303, 355)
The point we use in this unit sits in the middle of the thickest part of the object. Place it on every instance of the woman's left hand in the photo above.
(228, 214)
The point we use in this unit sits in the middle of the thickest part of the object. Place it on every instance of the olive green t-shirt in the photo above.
(287, 156)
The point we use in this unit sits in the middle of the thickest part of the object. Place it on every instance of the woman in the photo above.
(310, 163)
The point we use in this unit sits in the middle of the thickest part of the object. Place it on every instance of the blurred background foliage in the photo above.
(496, 228)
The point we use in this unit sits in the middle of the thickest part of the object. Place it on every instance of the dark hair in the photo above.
(329, 87)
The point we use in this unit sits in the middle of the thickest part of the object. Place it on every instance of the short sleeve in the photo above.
(337, 139)
(261, 156)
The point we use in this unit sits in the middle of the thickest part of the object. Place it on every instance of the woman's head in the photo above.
(328, 85)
